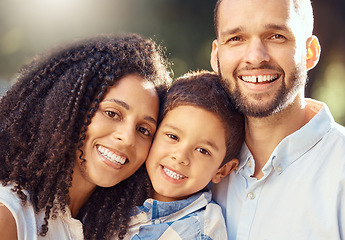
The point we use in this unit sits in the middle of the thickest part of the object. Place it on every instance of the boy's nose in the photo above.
(181, 155)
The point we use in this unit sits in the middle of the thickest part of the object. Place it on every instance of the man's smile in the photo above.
(259, 78)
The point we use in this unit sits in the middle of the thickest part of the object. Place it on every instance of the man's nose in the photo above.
(256, 52)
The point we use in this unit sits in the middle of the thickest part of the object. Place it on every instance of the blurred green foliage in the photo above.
(184, 28)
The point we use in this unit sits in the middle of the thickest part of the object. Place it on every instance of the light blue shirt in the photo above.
(302, 193)
(196, 217)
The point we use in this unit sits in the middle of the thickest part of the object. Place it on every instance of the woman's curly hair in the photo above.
(44, 117)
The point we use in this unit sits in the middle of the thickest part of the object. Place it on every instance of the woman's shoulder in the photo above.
(8, 226)
(16, 216)
(11, 199)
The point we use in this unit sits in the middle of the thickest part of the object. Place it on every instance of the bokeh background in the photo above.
(184, 27)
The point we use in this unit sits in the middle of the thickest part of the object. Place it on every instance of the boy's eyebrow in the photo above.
(127, 107)
(207, 142)
(171, 126)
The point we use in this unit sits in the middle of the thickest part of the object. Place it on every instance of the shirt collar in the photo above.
(156, 209)
(244, 157)
(292, 147)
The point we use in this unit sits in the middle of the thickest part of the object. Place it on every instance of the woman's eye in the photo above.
(144, 131)
(172, 136)
(203, 151)
(112, 114)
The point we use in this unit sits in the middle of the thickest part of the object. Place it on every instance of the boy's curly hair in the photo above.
(44, 117)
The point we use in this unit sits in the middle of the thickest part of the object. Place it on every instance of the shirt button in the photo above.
(251, 196)
(249, 164)
(157, 221)
(279, 168)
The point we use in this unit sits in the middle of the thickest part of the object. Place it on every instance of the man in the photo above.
(291, 177)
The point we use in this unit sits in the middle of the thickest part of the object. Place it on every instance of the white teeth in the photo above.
(260, 78)
(111, 156)
(173, 174)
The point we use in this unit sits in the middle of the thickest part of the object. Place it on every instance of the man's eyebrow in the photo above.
(122, 103)
(267, 26)
(232, 31)
(127, 107)
(277, 27)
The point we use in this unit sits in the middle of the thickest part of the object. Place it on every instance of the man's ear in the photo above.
(313, 52)
(225, 170)
(214, 56)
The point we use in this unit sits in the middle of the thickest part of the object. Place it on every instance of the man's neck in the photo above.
(264, 134)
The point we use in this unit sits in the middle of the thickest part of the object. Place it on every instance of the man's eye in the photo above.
(144, 131)
(203, 151)
(278, 36)
(172, 136)
(235, 39)
(112, 114)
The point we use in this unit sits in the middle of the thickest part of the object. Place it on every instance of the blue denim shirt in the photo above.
(196, 217)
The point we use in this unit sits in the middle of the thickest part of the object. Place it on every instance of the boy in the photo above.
(196, 142)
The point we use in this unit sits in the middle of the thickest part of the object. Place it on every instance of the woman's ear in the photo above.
(225, 170)
(313, 52)
(214, 56)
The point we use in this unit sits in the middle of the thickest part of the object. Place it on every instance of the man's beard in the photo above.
(280, 101)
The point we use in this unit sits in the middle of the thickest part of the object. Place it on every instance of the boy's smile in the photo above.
(186, 154)
(172, 175)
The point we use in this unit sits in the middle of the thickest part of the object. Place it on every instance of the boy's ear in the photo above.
(225, 170)
(313, 52)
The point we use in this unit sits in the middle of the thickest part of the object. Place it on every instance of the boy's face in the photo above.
(188, 148)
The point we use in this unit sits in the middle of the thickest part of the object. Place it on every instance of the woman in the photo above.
(78, 122)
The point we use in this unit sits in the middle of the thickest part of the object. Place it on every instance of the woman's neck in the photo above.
(79, 192)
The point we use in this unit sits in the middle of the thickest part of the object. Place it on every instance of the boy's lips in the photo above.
(112, 156)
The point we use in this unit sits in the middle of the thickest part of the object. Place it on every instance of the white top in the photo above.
(28, 223)
(302, 192)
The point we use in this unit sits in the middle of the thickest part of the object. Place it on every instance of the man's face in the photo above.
(260, 53)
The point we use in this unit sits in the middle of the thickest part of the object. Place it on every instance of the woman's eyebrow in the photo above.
(151, 119)
(122, 103)
(127, 107)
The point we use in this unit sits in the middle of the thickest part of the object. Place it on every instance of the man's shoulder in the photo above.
(339, 130)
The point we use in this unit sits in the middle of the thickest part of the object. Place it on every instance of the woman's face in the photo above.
(120, 134)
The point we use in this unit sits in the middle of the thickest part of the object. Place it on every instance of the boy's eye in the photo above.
(172, 136)
(144, 131)
(112, 114)
(203, 151)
